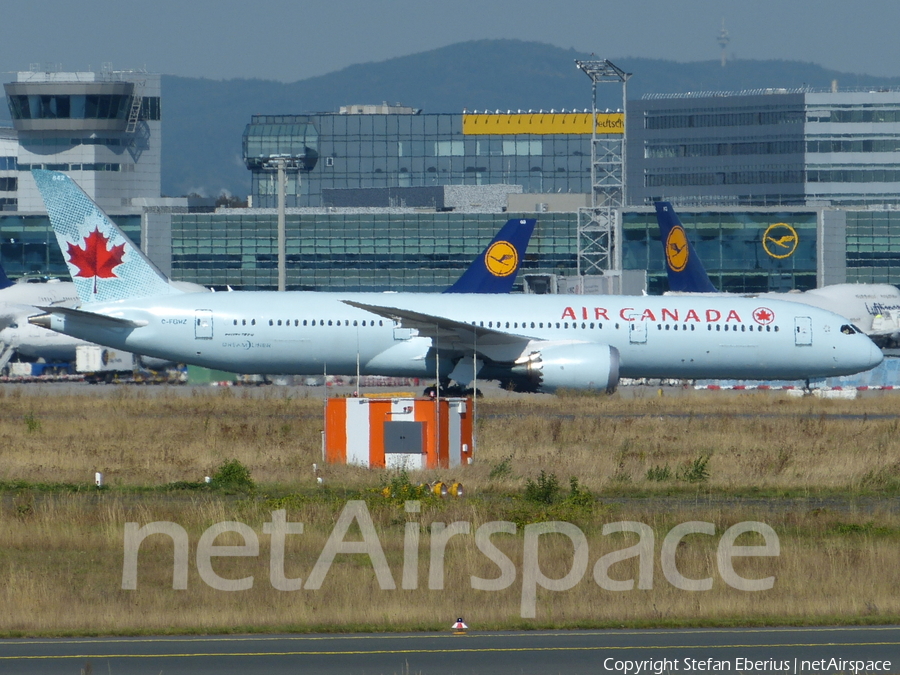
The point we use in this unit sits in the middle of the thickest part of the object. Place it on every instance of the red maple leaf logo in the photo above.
(96, 260)
(764, 316)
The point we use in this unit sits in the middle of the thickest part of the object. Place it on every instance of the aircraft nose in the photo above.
(874, 354)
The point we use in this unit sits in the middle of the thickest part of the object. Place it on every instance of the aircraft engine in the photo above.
(572, 366)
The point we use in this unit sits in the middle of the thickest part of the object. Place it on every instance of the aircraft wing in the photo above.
(451, 335)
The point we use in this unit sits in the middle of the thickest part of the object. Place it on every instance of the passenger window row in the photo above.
(515, 325)
(315, 322)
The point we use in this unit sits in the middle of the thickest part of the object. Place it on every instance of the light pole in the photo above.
(281, 164)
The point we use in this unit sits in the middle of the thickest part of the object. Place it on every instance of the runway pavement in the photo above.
(765, 650)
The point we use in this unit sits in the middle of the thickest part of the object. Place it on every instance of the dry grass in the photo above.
(62, 564)
(754, 441)
(61, 554)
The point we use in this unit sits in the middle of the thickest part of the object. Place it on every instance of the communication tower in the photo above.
(724, 39)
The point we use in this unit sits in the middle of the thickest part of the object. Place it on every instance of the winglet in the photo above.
(104, 263)
(494, 271)
(4, 280)
(683, 267)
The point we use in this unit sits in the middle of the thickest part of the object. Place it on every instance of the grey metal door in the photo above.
(637, 332)
(203, 324)
(802, 331)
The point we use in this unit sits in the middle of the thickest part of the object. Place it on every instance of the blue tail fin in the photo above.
(4, 280)
(103, 262)
(494, 271)
(683, 266)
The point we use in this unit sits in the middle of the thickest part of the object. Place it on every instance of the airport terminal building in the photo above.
(392, 147)
(765, 148)
(388, 197)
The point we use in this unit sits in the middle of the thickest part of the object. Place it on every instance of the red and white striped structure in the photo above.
(408, 433)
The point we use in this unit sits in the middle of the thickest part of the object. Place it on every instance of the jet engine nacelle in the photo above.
(573, 366)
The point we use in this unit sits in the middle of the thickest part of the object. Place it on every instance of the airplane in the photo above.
(18, 301)
(35, 291)
(492, 272)
(873, 308)
(529, 342)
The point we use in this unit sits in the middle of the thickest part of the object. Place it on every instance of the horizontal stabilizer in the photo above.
(99, 320)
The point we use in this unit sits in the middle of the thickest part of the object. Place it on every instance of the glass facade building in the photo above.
(742, 251)
(828, 161)
(428, 251)
(769, 147)
(873, 247)
(348, 251)
(542, 152)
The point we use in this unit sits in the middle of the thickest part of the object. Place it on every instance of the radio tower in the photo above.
(724, 39)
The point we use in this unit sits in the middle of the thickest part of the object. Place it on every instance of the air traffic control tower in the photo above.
(102, 128)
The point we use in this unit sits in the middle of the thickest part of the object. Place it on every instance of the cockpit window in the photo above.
(849, 329)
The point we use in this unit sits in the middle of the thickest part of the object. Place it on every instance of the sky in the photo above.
(290, 40)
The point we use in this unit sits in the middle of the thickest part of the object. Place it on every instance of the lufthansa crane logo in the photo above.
(677, 249)
(501, 259)
(780, 240)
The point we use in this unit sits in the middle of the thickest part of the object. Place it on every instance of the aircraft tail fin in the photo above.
(494, 271)
(104, 263)
(4, 280)
(683, 267)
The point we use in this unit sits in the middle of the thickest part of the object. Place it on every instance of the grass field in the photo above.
(824, 474)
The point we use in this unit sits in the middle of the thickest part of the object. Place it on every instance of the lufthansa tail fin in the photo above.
(494, 271)
(683, 266)
(104, 263)
(4, 280)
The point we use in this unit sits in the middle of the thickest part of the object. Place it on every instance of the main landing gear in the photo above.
(452, 390)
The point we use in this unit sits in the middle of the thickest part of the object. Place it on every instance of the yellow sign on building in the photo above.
(541, 123)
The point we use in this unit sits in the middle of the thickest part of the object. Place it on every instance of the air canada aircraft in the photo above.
(530, 342)
(873, 308)
(494, 271)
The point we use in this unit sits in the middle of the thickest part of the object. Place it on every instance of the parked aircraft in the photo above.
(536, 343)
(18, 301)
(873, 308)
(36, 291)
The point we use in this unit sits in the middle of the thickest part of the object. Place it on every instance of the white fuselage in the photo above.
(40, 294)
(24, 299)
(312, 333)
(35, 342)
(860, 303)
